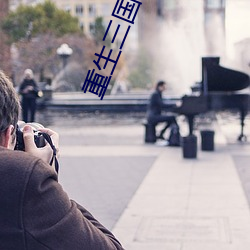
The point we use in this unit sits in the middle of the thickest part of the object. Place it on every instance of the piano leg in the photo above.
(190, 123)
(243, 114)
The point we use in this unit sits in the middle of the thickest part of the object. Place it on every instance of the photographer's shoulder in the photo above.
(18, 161)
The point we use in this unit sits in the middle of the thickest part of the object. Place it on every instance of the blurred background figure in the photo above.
(29, 92)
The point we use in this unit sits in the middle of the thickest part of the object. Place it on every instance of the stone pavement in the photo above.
(175, 203)
(189, 204)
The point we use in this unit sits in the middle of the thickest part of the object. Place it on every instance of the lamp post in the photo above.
(64, 51)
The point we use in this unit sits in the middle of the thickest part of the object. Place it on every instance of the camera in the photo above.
(38, 137)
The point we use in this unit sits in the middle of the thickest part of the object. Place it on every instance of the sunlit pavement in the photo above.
(153, 198)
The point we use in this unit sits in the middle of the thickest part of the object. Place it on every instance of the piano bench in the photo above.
(150, 132)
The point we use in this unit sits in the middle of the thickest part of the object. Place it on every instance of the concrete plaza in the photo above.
(153, 198)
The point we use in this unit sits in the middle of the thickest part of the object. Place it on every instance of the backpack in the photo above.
(174, 136)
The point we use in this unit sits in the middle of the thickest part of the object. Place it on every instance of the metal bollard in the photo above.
(207, 140)
(189, 146)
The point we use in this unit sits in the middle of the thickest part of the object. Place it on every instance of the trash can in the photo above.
(207, 140)
(189, 146)
(150, 133)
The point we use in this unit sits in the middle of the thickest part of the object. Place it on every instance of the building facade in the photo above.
(87, 11)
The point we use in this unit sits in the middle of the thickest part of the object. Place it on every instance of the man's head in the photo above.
(161, 86)
(9, 112)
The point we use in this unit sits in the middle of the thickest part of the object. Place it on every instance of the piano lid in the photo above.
(218, 78)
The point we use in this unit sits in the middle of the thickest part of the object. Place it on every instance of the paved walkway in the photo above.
(185, 204)
(178, 204)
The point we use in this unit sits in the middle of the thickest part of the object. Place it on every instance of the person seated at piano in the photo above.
(155, 107)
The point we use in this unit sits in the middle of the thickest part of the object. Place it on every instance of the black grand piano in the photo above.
(220, 89)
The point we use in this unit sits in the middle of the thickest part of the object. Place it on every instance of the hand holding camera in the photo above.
(38, 137)
(41, 142)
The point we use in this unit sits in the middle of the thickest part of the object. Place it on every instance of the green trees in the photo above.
(99, 31)
(35, 33)
(42, 18)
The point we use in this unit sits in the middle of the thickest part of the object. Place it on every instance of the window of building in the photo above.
(214, 4)
(79, 10)
(81, 26)
(160, 7)
(67, 8)
(92, 10)
(91, 27)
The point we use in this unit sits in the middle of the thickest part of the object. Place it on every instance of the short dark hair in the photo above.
(9, 104)
(159, 84)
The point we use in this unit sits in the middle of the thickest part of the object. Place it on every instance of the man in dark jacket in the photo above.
(154, 110)
(35, 212)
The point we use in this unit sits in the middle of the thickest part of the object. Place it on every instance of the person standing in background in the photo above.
(29, 92)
